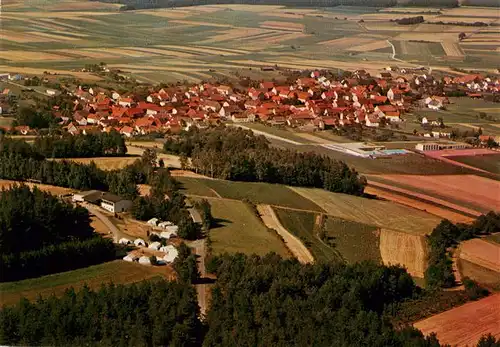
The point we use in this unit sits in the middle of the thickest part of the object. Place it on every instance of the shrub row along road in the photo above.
(293, 243)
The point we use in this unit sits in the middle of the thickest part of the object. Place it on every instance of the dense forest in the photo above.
(155, 313)
(235, 154)
(255, 302)
(40, 234)
(447, 235)
(81, 146)
(67, 146)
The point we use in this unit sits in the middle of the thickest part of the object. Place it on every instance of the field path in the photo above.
(293, 243)
(117, 234)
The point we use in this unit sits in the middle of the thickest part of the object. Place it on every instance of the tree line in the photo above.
(151, 313)
(40, 234)
(235, 154)
(445, 236)
(141, 4)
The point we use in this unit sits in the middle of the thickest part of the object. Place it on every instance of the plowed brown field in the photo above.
(466, 324)
(483, 253)
(479, 191)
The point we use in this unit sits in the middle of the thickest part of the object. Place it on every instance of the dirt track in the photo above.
(293, 243)
(466, 324)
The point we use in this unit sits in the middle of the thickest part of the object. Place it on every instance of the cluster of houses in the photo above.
(314, 102)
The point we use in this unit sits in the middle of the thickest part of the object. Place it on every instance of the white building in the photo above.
(164, 225)
(114, 203)
(124, 241)
(51, 92)
(171, 254)
(153, 221)
(168, 234)
(130, 257)
(155, 245)
(144, 260)
(140, 242)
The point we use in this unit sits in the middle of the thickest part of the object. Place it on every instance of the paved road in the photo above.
(117, 234)
(201, 288)
(294, 244)
(270, 136)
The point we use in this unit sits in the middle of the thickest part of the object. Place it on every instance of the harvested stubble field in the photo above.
(470, 189)
(106, 163)
(118, 272)
(482, 275)
(238, 229)
(93, 31)
(466, 324)
(6, 184)
(482, 253)
(383, 214)
(487, 162)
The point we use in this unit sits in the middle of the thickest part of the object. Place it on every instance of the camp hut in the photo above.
(140, 242)
(130, 257)
(172, 228)
(155, 246)
(164, 225)
(167, 234)
(144, 260)
(171, 255)
(124, 241)
(153, 221)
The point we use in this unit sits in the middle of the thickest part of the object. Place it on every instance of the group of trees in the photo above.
(40, 234)
(35, 119)
(237, 154)
(447, 235)
(67, 146)
(273, 302)
(186, 265)
(155, 313)
(81, 146)
(410, 20)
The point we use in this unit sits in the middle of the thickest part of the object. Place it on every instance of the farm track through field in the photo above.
(292, 242)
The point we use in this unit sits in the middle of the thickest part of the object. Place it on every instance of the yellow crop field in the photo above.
(452, 49)
(401, 248)
(167, 13)
(233, 34)
(370, 46)
(30, 56)
(282, 25)
(52, 36)
(86, 53)
(435, 37)
(191, 22)
(21, 37)
(347, 42)
(473, 11)
(383, 214)
(161, 51)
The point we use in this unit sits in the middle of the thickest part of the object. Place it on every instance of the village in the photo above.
(310, 103)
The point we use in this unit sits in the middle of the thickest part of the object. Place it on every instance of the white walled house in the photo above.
(114, 203)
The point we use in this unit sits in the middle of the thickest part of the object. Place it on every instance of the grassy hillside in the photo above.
(240, 230)
(118, 272)
(258, 193)
(344, 240)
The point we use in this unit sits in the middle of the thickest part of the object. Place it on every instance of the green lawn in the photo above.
(258, 193)
(490, 163)
(301, 224)
(240, 230)
(118, 272)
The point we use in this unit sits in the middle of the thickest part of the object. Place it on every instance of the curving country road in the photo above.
(293, 243)
(117, 234)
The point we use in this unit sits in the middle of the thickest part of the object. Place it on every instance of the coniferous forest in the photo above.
(255, 302)
(40, 235)
(238, 155)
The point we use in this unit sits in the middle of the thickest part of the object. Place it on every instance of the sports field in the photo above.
(118, 272)
(238, 229)
(201, 42)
